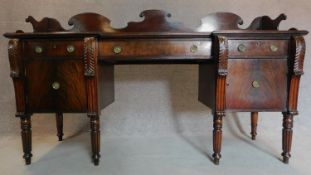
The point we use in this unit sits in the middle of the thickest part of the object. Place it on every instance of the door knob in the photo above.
(55, 85)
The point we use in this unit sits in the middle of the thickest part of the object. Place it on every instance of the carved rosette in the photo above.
(299, 55)
(90, 56)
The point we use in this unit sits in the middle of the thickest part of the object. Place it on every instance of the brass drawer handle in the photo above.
(194, 48)
(255, 84)
(117, 49)
(70, 48)
(38, 49)
(241, 48)
(274, 48)
(55, 85)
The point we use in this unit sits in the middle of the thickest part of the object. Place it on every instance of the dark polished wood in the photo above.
(54, 49)
(271, 76)
(258, 48)
(253, 69)
(95, 137)
(217, 136)
(287, 135)
(155, 49)
(59, 126)
(70, 96)
(254, 121)
(93, 111)
(26, 137)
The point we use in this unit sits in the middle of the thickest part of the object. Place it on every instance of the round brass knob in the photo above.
(241, 48)
(38, 49)
(274, 48)
(255, 84)
(55, 85)
(117, 49)
(194, 48)
(70, 48)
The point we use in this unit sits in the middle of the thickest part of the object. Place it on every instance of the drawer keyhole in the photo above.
(255, 84)
(55, 85)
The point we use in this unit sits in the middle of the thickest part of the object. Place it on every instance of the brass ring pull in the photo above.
(70, 48)
(55, 85)
(241, 48)
(255, 84)
(194, 48)
(38, 49)
(274, 48)
(117, 49)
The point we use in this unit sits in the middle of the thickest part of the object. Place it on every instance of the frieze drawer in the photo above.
(54, 48)
(258, 48)
(149, 49)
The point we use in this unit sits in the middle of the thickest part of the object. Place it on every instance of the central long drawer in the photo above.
(155, 49)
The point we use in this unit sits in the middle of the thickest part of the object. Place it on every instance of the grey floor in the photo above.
(175, 153)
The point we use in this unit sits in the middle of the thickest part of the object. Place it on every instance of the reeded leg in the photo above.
(287, 136)
(26, 137)
(59, 125)
(95, 137)
(254, 120)
(217, 136)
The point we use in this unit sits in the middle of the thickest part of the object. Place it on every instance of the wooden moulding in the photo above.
(295, 72)
(18, 76)
(154, 21)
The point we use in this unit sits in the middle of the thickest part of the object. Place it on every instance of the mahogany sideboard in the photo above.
(254, 69)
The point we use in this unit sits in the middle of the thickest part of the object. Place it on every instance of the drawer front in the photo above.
(154, 49)
(256, 84)
(54, 48)
(258, 48)
(56, 86)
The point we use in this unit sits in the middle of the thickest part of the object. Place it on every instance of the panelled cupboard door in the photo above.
(56, 85)
(256, 85)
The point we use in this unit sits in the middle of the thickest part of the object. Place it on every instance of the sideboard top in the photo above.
(154, 24)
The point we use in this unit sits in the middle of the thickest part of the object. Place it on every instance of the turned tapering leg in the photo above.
(26, 137)
(254, 120)
(217, 136)
(287, 136)
(95, 138)
(59, 126)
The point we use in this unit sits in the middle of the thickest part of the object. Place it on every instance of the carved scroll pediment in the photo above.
(45, 25)
(220, 21)
(266, 23)
(90, 22)
(154, 21)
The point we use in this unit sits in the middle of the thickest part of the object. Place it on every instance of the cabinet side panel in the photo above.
(207, 84)
(105, 84)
